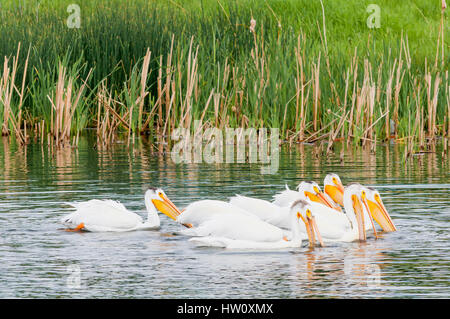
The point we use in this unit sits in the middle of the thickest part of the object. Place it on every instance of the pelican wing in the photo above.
(201, 211)
(285, 198)
(221, 219)
(264, 210)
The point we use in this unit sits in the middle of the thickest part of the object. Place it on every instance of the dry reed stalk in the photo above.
(432, 100)
(316, 91)
(143, 93)
(64, 105)
(441, 37)
(405, 47)
(334, 134)
(447, 94)
(167, 121)
(159, 88)
(169, 98)
(388, 100)
(362, 96)
(444, 6)
(108, 124)
(418, 126)
(437, 82)
(344, 106)
(370, 105)
(380, 73)
(191, 82)
(7, 89)
(354, 68)
(300, 89)
(397, 89)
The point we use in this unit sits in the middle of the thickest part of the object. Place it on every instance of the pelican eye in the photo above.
(316, 189)
(334, 180)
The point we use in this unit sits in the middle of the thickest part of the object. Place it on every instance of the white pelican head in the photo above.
(304, 211)
(334, 188)
(156, 198)
(354, 208)
(377, 209)
(313, 192)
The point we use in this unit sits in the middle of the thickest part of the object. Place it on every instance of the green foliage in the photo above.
(115, 35)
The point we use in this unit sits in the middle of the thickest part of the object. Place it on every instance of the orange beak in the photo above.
(309, 229)
(381, 216)
(315, 228)
(166, 207)
(370, 215)
(359, 217)
(336, 192)
(320, 198)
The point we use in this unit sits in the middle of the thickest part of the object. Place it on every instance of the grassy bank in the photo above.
(317, 73)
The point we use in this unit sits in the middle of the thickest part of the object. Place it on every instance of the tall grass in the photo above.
(318, 73)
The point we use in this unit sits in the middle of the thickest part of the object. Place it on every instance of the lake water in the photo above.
(39, 259)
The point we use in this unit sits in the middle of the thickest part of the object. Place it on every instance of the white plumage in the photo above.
(103, 215)
(264, 210)
(221, 224)
(337, 226)
(285, 197)
(111, 216)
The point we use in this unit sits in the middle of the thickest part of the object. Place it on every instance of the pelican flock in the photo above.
(337, 214)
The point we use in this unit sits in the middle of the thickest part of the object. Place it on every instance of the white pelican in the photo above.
(335, 190)
(236, 229)
(361, 205)
(377, 209)
(221, 219)
(110, 216)
(338, 226)
(310, 190)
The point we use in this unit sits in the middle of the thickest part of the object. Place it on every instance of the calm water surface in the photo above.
(39, 259)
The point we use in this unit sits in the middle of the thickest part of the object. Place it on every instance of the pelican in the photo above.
(221, 219)
(338, 226)
(334, 189)
(362, 205)
(111, 216)
(310, 190)
(372, 199)
(236, 229)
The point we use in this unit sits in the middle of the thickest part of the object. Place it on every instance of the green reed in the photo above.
(164, 64)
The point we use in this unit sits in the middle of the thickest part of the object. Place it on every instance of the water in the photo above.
(39, 259)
